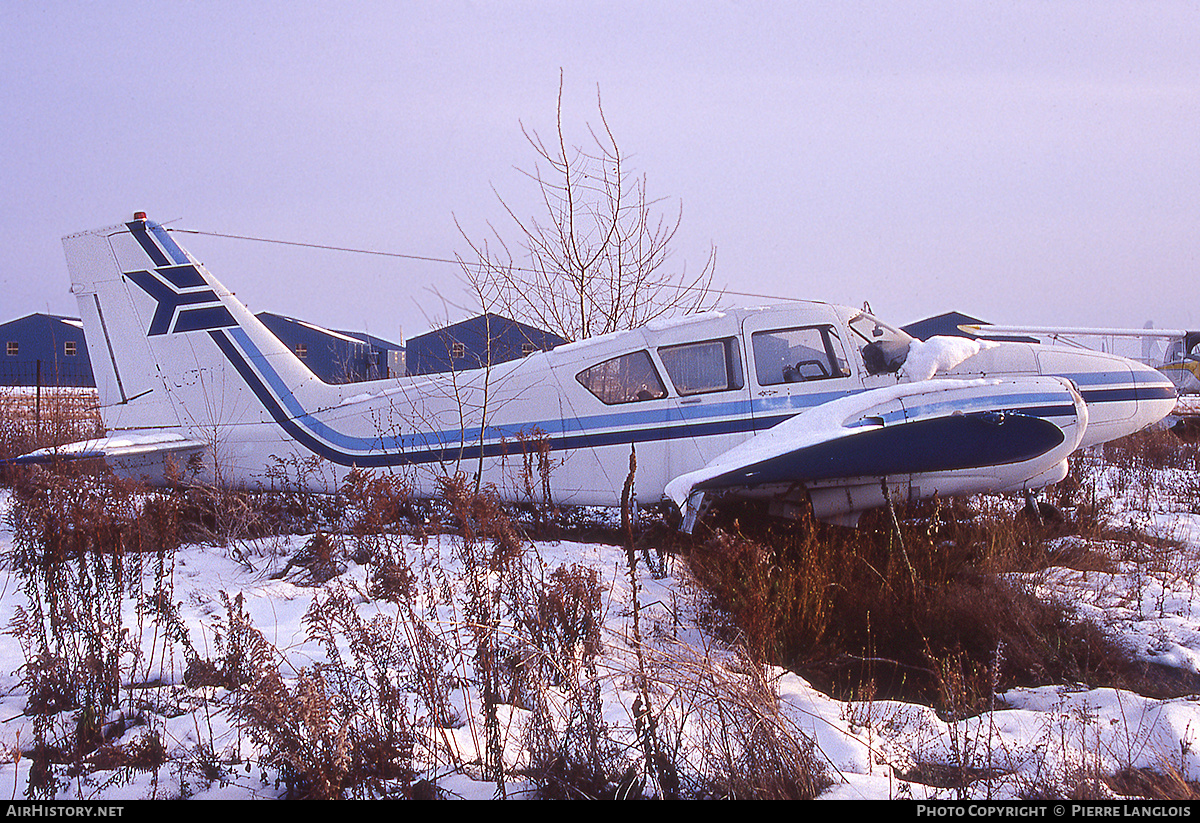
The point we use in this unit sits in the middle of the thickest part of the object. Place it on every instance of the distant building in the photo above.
(56, 346)
(947, 325)
(474, 343)
(333, 356)
(45, 349)
(386, 359)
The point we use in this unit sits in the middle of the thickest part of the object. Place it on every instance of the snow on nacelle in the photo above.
(797, 404)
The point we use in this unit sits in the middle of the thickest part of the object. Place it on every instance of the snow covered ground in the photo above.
(1035, 743)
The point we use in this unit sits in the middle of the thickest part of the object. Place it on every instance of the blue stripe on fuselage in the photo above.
(1100, 387)
(563, 434)
(380, 452)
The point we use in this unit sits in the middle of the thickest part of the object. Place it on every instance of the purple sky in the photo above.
(1026, 162)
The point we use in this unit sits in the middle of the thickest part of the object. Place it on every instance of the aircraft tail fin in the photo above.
(158, 327)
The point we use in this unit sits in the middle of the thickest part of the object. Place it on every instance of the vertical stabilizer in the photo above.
(156, 321)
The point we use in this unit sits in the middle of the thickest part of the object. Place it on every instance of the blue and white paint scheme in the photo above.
(800, 403)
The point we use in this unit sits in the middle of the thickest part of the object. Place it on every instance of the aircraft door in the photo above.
(795, 365)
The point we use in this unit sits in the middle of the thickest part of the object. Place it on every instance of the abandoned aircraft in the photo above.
(797, 404)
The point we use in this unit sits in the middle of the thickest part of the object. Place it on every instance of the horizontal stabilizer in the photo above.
(149, 455)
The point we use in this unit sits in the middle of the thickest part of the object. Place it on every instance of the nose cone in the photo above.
(1123, 396)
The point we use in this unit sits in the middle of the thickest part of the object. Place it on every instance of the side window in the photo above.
(697, 368)
(629, 378)
(798, 355)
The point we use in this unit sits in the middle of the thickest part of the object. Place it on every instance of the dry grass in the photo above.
(929, 613)
(58, 416)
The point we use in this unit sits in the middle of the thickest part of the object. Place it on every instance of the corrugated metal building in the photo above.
(474, 343)
(335, 357)
(44, 348)
(948, 325)
(387, 358)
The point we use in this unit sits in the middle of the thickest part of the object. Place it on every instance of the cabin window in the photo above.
(698, 368)
(13, 348)
(69, 349)
(629, 378)
(528, 349)
(458, 350)
(798, 355)
(301, 350)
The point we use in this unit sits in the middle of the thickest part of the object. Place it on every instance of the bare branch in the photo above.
(597, 259)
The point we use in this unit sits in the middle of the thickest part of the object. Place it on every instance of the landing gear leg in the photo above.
(1032, 508)
(1041, 512)
(695, 507)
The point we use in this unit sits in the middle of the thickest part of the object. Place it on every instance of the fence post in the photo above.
(37, 402)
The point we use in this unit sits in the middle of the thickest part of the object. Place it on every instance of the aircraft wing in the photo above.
(149, 454)
(958, 436)
(988, 329)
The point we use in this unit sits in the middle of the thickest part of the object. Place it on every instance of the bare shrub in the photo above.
(82, 544)
(535, 477)
(370, 679)
(565, 622)
(490, 550)
(596, 262)
(379, 504)
(299, 734)
(778, 591)
(1154, 448)
(219, 514)
(750, 750)
(56, 417)
(341, 731)
(242, 652)
(886, 603)
(144, 753)
(1165, 783)
(571, 756)
(320, 560)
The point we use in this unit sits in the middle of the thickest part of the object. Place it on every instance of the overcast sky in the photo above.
(1025, 162)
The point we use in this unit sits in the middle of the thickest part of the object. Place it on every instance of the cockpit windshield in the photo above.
(883, 348)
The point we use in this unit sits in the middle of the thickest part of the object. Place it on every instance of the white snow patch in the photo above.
(1032, 742)
(939, 354)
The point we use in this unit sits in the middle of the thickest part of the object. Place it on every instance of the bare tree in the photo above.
(596, 262)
